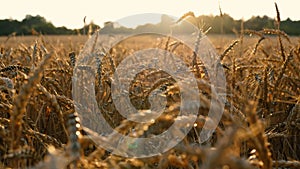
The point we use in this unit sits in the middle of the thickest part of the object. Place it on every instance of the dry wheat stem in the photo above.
(21, 101)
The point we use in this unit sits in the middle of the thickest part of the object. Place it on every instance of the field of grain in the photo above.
(260, 126)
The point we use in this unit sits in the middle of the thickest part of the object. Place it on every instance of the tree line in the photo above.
(225, 24)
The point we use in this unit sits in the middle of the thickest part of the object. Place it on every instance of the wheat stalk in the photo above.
(21, 101)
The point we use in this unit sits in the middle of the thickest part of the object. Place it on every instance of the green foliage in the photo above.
(29, 25)
(9, 26)
(291, 30)
(224, 24)
(259, 23)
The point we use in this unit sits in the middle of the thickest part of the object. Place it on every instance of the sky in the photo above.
(70, 13)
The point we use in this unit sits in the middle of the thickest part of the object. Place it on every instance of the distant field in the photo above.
(219, 41)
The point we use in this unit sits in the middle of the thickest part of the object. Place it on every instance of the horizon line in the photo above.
(135, 25)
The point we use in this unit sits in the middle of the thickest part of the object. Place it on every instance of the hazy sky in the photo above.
(70, 13)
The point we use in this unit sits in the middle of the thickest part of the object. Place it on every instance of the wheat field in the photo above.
(259, 128)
